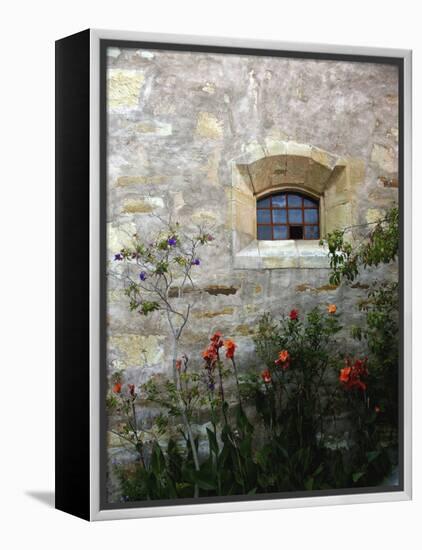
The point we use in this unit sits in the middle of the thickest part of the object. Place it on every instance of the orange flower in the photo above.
(351, 375)
(230, 348)
(345, 374)
(266, 376)
(283, 359)
(178, 364)
(210, 354)
(331, 308)
(283, 355)
(217, 340)
(117, 388)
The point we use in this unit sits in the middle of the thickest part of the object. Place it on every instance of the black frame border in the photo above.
(72, 292)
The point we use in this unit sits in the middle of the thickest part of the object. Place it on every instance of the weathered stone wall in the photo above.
(177, 122)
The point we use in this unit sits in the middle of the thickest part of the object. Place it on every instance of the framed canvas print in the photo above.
(233, 275)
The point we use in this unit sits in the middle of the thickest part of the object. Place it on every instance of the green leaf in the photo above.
(204, 480)
(372, 455)
(357, 475)
(309, 483)
(213, 442)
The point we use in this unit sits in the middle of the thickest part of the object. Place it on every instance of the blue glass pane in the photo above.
(264, 232)
(311, 216)
(311, 232)
(295, 216)
(263, 203)
(279, 216)
(264, 216)
(280, 232)
(309, 202)
(279, 201)
(295, 200)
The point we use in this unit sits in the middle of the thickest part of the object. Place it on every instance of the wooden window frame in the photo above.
(302, 207)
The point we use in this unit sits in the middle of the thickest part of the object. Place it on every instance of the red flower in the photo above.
(294, 315)
(283, 359)
(266, 376)
(351, 375)
(131, 389)
(178, 364)
(230, 348)
(117, 388)
(217, 340)
(210, 355)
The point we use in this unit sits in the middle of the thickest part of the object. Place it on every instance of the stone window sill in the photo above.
(288, 254)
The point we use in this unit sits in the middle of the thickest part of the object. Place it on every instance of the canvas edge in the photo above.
(96, 513)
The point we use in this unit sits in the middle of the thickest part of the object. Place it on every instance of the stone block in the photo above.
(123, 87)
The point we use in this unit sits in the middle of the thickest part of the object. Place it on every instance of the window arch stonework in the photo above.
(288, 167)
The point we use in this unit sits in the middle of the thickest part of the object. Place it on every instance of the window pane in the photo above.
(311, 216)
(296, 231)
(280, 232)
(263, 203)
(309, 202)
(265, 232)
(279, 201)
(279, 216)
(311, 232)
(264, 216)
(295, 215)
(295, 200)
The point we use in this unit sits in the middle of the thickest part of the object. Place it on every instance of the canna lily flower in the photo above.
(283, 360)
(217, 339)
(283, 355)
(331, 308)
(117, 388)
(294, 315)
(351, 375)
(266, 376)
(345, 375)
(210, 355)
(230, 348)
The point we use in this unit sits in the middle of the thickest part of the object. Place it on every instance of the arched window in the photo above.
(287, 216)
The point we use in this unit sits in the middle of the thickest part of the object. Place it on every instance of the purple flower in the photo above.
(142, 275)
(211, 386)
(118, 257)
(210, 238)
(196, 261)
(172, 241)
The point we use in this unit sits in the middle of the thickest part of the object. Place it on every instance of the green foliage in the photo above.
(288, 446)
(381, 336)
(381, 329)
(152, 266)
(380, 246)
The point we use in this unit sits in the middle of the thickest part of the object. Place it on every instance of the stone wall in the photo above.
(180, 126)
